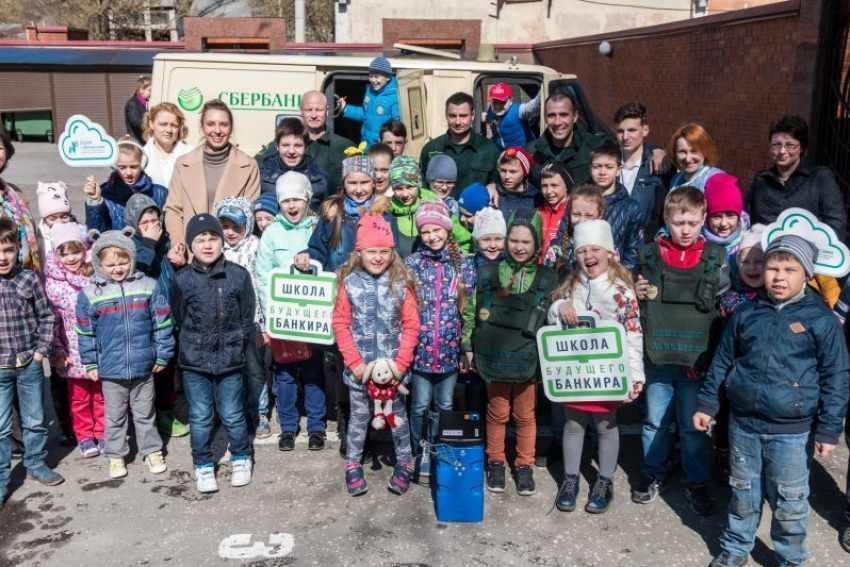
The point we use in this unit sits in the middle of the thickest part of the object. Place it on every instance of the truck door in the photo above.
(413, 109)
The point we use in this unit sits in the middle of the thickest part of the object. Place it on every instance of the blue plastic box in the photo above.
(460, 483)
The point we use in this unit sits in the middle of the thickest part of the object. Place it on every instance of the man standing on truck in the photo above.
(326, 148)
(475, 155)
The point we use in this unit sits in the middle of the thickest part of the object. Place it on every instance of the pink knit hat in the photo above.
(722, 194)
(52, 198)
(62, 233)
(435, 212)
(374, 232)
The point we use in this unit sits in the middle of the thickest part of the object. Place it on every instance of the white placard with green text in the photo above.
(300, 306)
(585, 364)
(833, 255)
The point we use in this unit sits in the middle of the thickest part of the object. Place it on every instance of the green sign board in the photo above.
(300, 306)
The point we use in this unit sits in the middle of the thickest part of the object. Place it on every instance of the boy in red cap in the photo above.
(509, 122)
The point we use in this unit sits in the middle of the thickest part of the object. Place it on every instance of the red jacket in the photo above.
(551, 217)
(677, 256)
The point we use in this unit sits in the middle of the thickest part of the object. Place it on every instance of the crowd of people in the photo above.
(447, 266)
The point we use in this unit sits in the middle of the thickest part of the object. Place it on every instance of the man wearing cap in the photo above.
(474, 154)
(509, 122)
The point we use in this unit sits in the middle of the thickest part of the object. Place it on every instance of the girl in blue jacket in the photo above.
(380, 103)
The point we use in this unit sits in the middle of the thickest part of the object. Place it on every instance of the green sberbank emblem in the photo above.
(190, 99)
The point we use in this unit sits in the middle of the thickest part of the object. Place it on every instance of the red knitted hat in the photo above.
(524, 158)
(374, 232)
(722, 194)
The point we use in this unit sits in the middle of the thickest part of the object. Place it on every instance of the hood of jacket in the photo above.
(245, 206)
(122, 239)
(136, 207)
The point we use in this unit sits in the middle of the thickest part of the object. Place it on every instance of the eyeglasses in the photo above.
(788, 147)
(443, 184)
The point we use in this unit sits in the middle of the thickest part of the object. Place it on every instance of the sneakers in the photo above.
(565, 501)
(117, 468)
(156, 462)
(726, 559)
(205, 479)
(241, 468)
(171, 426)
(496, 477)
(601, 496)
(701, 503)
(316, 441)
(424, 468)
(524, 478)
(400, 481)
(647, 490)
(101, 447)
(264, 428)
(354, 480)
(88, 448)
(45, 475)
(286, 441)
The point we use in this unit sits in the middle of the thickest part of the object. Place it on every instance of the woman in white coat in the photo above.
(164, 129)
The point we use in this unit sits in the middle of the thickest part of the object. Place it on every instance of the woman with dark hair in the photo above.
(291, 139)
(136, 106)
(13, 204)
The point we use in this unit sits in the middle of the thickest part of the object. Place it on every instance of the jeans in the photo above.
(202, 390)
(256, 391)
(776, 467)
(29, 382)
(429, 390)
(312, 376)
(669, 391)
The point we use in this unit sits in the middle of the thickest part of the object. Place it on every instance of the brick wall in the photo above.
(397, 30)
(734, 73)
(196, 30)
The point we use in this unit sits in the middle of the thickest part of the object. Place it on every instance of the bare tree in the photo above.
(320, 17)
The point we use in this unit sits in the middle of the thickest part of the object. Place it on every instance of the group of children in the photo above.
(446, 290)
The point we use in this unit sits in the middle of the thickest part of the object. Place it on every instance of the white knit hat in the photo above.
(489, 221)
(752, 237)
(594, 233)
(293, 185)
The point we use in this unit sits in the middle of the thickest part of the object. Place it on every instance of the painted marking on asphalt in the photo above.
(240, 546)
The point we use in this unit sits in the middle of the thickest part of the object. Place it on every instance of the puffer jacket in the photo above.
(214, 313)
(272, 168)
(436, 279)
(124, 328)
(403, 222)
(784, 367)
(378, 107)
(109, 213)
(811, 187)
(63, 288)
(279, 245)
(623, 214)
(244, 252)
(151, 255)
(509, 203)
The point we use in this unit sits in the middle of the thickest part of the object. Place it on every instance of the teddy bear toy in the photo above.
(378, 377)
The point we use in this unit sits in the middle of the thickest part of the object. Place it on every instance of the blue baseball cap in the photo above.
(233, 213)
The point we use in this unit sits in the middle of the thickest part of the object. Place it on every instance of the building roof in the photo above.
(57, 56)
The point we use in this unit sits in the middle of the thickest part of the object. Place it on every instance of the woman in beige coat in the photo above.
(214, 170)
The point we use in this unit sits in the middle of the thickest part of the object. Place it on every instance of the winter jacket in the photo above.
(108, 214)
(404, 224)
(134, 116)
(244, 252)
(623, 214)
(379, 106)
(811, 187)
(438, 349)
(124, 328)
(551, 217)
(214, 313)
(372, 321)
(509, 203)
(63, 289)
(279, 245)
(576, 156)
(476, 159)
(697, 180)
(151, 255)
(784, 367)
(160, 171)
(647, 189)
(45, 246)
(273, 167)
(511, 128)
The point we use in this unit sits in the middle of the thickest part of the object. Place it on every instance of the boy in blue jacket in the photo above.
(784, 363)
(125, 329)
(380, 103)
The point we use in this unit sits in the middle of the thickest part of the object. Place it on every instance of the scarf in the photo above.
(355, 210)
(15, 209)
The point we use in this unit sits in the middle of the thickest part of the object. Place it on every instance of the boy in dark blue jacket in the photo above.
(214, 308)
(784, 363)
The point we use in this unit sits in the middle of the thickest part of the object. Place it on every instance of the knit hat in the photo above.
(293, 185)
(804, 251)
(594, 233)
(202, 223)
(531, 219)
(436, 212)
(266, 203)
(722, 194)
(501, 91)
(474, 198)
(61, 233)
(373, 231)
(112, 239)
(52, 198)
(441, 167)
(136, 206)
(381, 66)
(404, 170)
(752, 237)
(489, 221)
(526, 162)
(358, 164)
(562, 170)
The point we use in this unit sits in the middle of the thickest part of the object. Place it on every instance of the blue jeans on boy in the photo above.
(429, 390)
(670, 392)
(313, 377)
(202, 390)
(29, 383)
(774, 466)
(255, 395)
